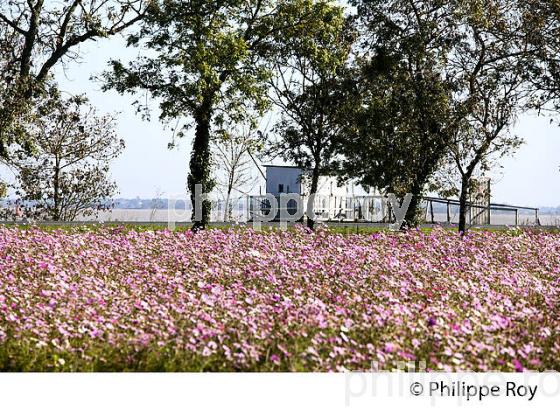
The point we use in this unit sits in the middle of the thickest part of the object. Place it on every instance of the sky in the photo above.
(147, 168)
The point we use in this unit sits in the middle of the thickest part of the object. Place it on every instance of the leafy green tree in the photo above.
(35, 36)
(541, 23)
(67, 175)
(206, 64)
(402, 124)
(541, 27)
(449, 80)
(308, 91)
(489, 70)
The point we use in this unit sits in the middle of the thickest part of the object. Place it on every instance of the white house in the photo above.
(331, 200)
(286, 179)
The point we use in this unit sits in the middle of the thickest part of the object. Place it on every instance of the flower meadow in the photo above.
(241, 300)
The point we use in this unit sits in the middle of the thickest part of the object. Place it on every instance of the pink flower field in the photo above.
(112, 300)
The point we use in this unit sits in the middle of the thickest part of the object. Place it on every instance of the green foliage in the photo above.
(541, 27)
(308, 89)
(489, 70)
(401, 126)
(442, 84)
(431, 85)
(201, 52)
(206, 65)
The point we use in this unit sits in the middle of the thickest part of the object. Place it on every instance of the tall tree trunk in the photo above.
(313, 191)
(200, 167)
(463, 199)
(411, 216)
(56, 185)
(231, 179)
(227, 211)
(417, 188)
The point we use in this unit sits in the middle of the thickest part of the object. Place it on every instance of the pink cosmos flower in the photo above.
(274, 358)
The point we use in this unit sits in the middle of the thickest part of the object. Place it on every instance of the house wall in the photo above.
(332, 201)
(329, 186)
(293, 182)
(290, 178)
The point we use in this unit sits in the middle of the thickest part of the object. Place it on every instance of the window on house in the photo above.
(280, 188)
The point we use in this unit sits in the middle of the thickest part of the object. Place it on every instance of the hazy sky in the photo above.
(147, 167)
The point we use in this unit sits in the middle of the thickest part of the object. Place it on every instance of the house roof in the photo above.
(282, 166)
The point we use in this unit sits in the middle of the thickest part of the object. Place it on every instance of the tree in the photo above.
(451, 80)
(541, 27)
(234, 162)
(206, 64)
(67, 174)
(401, 127)
(486, 135)
(308, 92)
(35, 36)
(489, 71)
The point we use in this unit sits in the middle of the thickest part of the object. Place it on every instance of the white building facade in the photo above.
(285, 179)
(331, 200)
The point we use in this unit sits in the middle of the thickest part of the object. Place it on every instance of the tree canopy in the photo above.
(309, 92)
(402, 123)
(385, 92)
(208, 65)
(37, 35)
(67, 175)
